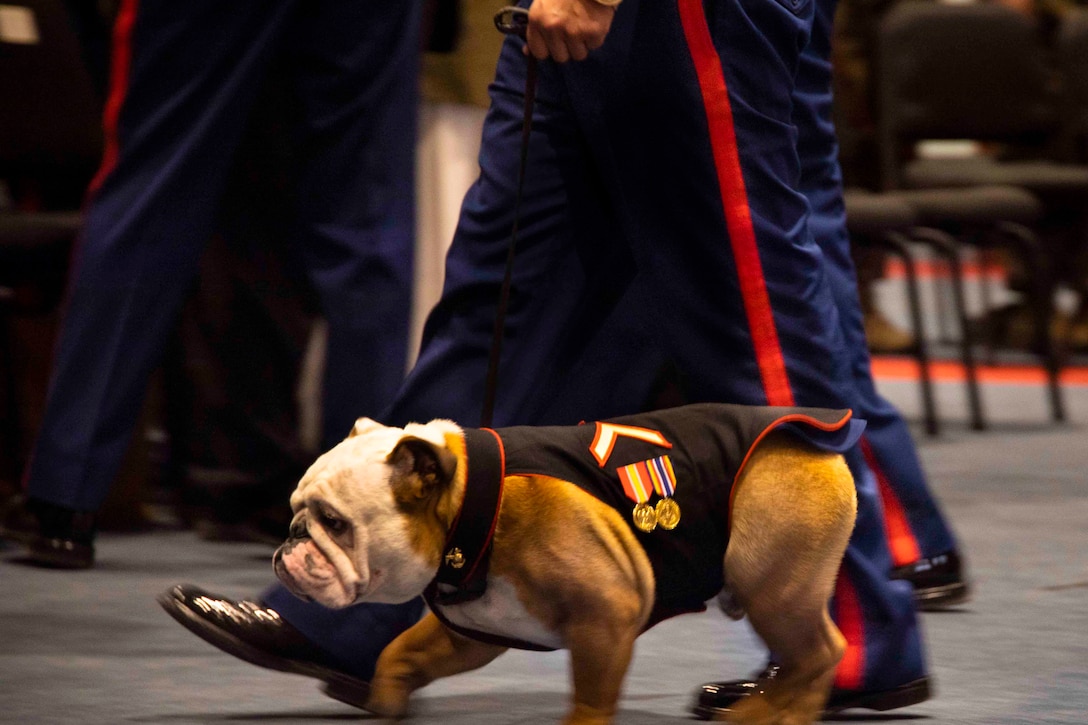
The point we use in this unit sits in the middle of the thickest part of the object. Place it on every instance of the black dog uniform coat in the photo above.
(692, 454)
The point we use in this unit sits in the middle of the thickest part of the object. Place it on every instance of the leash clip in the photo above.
(512, 21)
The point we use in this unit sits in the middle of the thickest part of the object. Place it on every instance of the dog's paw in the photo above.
(387, 699)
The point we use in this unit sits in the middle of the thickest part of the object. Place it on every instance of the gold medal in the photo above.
(645, 517)
(667, 513)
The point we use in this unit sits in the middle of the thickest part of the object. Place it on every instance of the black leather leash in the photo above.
(510, 21)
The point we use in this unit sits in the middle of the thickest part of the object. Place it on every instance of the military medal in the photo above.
(664, 478)
(645, 517)
(638, 487)
(640, 481)
(668, 513)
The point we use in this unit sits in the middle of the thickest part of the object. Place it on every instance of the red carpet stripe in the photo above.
(889, 367)
(928, 269)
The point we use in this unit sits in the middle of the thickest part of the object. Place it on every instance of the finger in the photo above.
(534, 41)
(557, 46)
(578, 50)
(535, 37)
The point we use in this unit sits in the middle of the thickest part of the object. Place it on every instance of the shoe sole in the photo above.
(345, 688)
(937, 598)
(906, 695)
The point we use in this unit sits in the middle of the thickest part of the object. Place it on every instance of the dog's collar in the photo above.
(462, 574)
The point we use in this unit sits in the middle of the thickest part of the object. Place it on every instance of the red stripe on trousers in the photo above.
(901, 540)
(708, 69)
(851, 670)
(738, 216)
(120, 64)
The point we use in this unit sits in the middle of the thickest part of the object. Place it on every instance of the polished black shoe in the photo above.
(54, 536)
(258, 635)
(938, 581)
(715, 699)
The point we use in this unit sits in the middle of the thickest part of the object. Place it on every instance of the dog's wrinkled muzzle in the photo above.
(281, 570)
(308, 573)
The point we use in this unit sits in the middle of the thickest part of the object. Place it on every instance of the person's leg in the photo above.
(913, 523)
(744, 304)
(183, 79)
(353, 637)
(883, 642)
(356, 77)
(356, 73)
(567, 272)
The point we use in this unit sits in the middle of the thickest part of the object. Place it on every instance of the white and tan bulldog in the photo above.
(513, 544)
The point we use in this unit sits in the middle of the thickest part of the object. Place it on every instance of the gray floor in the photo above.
(93, 647)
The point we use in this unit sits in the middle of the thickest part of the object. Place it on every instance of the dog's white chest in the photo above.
(499, 612)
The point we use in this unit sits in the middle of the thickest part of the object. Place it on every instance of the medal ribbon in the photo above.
(637, 481)
(663, 476)
(640, 480)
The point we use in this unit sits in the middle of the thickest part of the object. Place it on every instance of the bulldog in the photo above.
(582, 537)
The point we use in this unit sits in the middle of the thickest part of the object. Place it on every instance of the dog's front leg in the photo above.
(599, 655)
(419, 656)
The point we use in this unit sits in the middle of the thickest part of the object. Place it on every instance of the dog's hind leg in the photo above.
(793, 511)
(424, 653)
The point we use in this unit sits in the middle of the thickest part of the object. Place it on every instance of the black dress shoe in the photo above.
(715, 699)
(55, 536)
(258, 635)
(938, 581)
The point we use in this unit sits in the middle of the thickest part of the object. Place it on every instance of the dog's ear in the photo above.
(363, 425)
(420, 468)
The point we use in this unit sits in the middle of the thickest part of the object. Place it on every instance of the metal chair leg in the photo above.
(1042, 305)
(986, 293)
(945, 245)
(898, 245)
(941, 287)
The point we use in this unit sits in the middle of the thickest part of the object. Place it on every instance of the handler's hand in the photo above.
(567, 29)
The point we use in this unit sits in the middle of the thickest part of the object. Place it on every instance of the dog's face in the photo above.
(367, 524)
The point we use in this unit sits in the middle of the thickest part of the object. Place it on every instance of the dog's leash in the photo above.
(510, 21)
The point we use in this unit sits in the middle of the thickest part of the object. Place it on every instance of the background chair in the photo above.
(978, 71)
(968, 71)
(899, 221)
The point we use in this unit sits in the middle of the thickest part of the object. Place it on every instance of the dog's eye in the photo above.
(331, 523)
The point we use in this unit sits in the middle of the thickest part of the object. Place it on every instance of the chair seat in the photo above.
(34, 244)
(869, 214)
(1042, 177)
(980, 205)
(25, 231)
